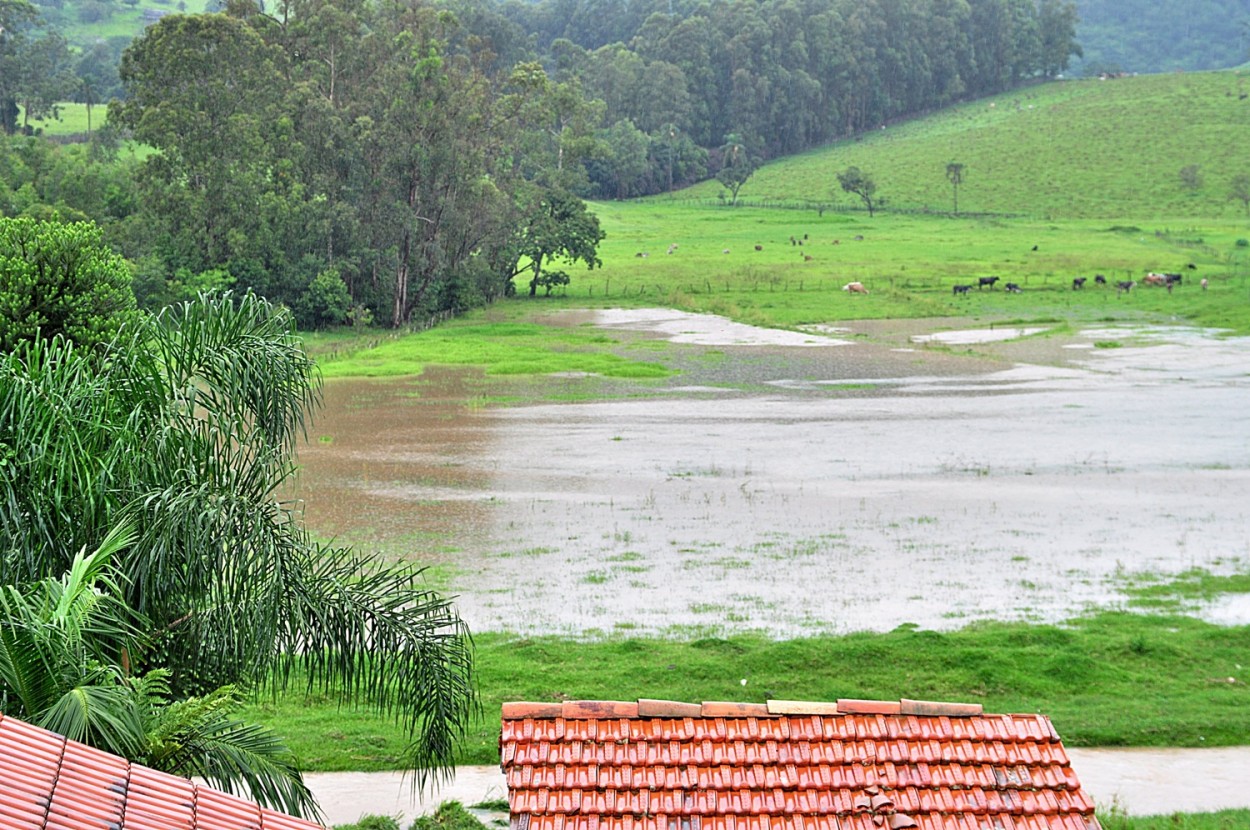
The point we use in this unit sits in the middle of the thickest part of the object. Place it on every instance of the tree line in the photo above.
(360, 161)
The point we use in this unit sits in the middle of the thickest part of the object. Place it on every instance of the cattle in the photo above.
(1124, 286)
(1100, 279)
(1154, 279)
(1203, 283)
(961, 289)
(1012, 288)
(672, 247)
(1078, 283)
(1174, 279)
(759, 247)
(984, 281)
(642, 255)
(724, 250)
(807, 257)
(855, 288)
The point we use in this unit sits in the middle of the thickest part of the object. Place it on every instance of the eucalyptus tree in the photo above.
(184, 428)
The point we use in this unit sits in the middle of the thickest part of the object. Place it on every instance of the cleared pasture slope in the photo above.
(1072, 149)
(909, 263)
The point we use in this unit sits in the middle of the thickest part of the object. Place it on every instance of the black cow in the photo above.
(1100, 279)
(1012, 288)
(984, 281)
(1078, 283)
(961, 289)
(1124, 285)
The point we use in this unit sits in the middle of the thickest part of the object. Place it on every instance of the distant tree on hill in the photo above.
(854, 180)
(955, 173)
(738, 165)
(1191, 177)
(1239, 189)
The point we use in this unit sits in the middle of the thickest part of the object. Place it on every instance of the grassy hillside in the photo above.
(1086, 148)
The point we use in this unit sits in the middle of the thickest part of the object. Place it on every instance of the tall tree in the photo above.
(737, 165)
(853, 180)
(955, 175)
(17, 18)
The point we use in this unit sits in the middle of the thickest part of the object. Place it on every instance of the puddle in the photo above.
(970, 337)
(857, 489)
(698, 329)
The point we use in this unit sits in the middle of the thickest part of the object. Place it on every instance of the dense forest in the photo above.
(1152, 36)
(358, 160)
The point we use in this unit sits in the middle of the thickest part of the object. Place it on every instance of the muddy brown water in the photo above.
(858, 479)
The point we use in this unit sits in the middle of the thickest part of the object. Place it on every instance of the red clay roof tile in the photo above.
(736, 767)
(49, 783)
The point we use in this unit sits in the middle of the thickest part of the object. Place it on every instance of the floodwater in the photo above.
(849, 478)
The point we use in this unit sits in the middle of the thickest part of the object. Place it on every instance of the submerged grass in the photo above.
(1114, 679)
(503, 347)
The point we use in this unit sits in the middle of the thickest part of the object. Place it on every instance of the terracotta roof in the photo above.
(786, 765)
(49, 782)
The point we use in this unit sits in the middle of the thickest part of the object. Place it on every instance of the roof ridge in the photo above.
(653, 708)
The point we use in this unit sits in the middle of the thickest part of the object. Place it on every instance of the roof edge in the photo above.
(651, 708)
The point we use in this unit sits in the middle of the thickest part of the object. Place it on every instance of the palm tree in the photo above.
(56, 638)
(185, 427)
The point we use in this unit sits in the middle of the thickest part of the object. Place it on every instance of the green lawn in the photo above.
(1109, 680)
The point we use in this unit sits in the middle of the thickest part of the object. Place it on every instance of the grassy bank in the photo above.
(1108, 680)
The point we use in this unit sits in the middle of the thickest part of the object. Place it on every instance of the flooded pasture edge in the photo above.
(814, 483)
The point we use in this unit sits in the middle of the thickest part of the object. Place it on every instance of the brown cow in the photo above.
(855, 288)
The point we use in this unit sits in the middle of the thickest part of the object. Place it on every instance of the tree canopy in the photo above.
(59, 278)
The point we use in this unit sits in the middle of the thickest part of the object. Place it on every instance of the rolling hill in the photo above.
(1068, 149)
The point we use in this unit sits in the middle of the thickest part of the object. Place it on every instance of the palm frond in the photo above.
(104, 716)
(376, 635)
(196, 737)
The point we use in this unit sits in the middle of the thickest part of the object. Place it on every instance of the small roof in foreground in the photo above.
(786, 765)
(49, 782)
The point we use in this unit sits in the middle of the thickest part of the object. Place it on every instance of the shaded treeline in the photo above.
(785, 75)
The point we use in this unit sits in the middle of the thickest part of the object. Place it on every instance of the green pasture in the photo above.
(909, 264)
(121, 20)
(1084, 148)
(1114, 679)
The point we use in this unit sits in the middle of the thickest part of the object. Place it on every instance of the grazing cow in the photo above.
(1124, 286)
(1100, 279)
(1173, 279)
(1192, 267)
(759, 247)
(724, 250)
(1078, 283)
(1154, 279)
(1203, 283)
(807, 257)
(672, 247)
(855, 288)
(961, 289)
(984, 281)
(1012, 288)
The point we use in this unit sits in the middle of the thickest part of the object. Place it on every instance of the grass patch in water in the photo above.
(1115, 679)
(1188, 588)
(501, 348)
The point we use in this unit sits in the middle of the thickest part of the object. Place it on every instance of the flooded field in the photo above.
(838, 480)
